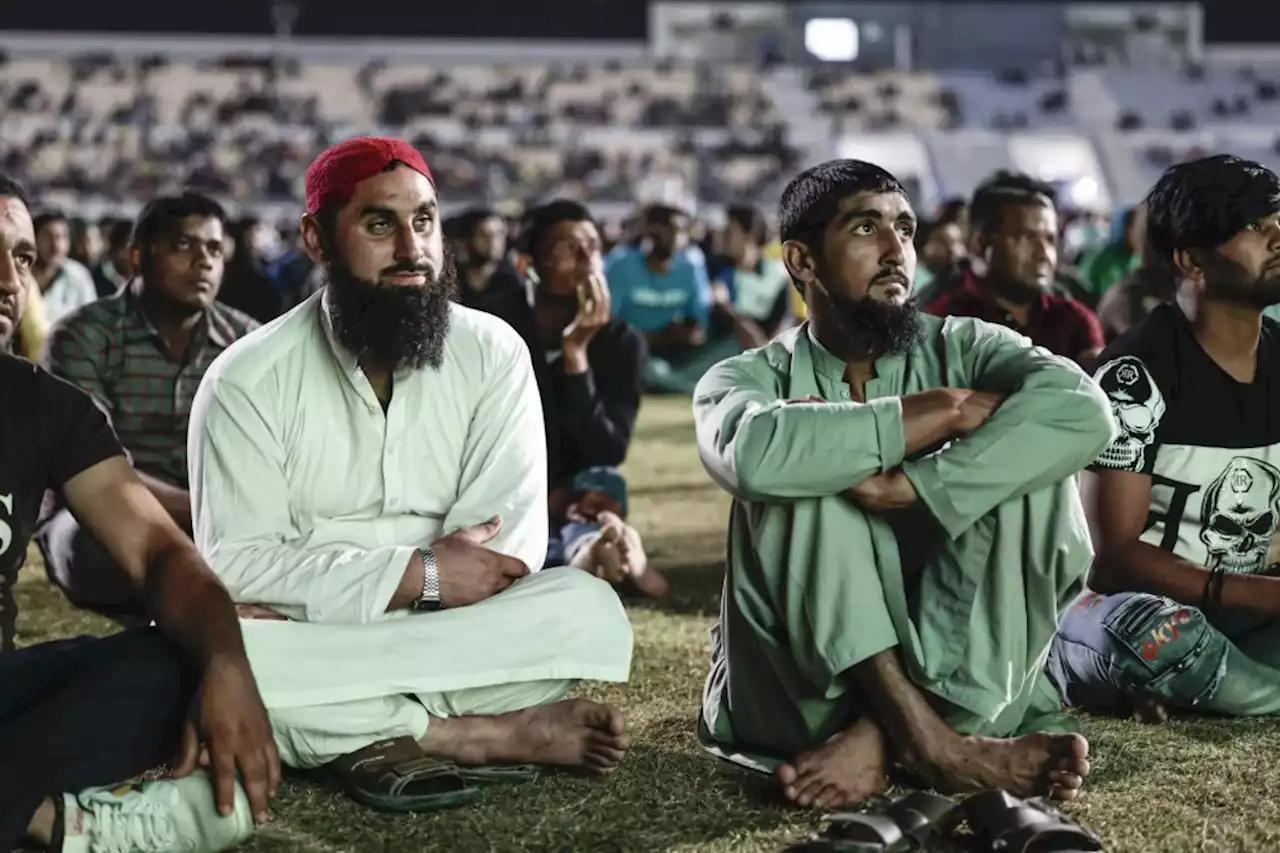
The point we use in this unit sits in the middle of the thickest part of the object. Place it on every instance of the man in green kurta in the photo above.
(905, 529)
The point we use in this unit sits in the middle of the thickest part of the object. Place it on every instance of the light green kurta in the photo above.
(998, 543)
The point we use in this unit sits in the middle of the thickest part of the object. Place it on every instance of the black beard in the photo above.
(393, 327)
(1229, 282)
(871, 328)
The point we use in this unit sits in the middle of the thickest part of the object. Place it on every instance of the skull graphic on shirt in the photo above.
(1239, 514)
(1137, 406)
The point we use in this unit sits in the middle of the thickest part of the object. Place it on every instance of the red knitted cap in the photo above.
(334, 174)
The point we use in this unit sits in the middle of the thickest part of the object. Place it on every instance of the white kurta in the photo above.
(310, 500)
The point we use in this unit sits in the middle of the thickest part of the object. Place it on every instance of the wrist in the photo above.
(574, 359)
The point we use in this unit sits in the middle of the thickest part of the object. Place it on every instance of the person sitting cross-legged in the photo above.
(369, 479)
(1184, 603)
(905, 527)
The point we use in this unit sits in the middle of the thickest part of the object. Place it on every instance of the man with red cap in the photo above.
(368, 478)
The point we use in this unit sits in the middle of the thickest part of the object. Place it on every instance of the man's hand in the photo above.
(720, 295)
(469, 572)
(593, 313)
(976, 407)
(228, 731)
(257, 611)
(884, 492)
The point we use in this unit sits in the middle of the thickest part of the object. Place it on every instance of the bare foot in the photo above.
(1148, 710)
(646, 579)
(1031, 765)
(847, 769)
(573, 733)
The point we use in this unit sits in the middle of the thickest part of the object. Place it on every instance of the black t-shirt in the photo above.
(1210, 444)
(50, 431)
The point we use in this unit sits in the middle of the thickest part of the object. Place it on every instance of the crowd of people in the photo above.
(962, 498)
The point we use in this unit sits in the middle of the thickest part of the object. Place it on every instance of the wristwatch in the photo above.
(430, 599)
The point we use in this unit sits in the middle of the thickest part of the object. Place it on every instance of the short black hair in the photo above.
(12, 188)
(952, 210)
(812, 198)
(662, 214)
(1203, 203)
(1001, 191)
(750, 219)
(160, 218)
(119, 233)
(44, 217)
(539, 222)
(469, 220)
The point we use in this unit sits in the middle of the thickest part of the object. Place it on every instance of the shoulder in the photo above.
(37, 388)
(233, 319)
(619, 338)
(264, 350)
(964, 332)
(79, 272)
(622, 259)
(762, 367)
(479, 339)
(97, 319)
(1151, 344)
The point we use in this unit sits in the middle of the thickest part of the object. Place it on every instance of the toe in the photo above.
(787, 774)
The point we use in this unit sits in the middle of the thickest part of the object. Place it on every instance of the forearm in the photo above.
(1048, 430)
(176, 501)
(1136, 566)
(189, 604)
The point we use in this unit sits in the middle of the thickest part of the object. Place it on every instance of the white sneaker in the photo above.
(167, 816)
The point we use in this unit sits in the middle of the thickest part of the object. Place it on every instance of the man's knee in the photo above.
(585, 606)
(1153, 645)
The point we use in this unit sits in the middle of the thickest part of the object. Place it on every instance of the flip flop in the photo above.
(498, 774)
(396, 776)
(1003, 822)
(905, 825)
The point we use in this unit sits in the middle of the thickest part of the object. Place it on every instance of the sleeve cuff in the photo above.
(891, 438)
(923, 474)
(386, 585)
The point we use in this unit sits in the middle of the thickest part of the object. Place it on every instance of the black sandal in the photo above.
(906, 825)
(1004, 823)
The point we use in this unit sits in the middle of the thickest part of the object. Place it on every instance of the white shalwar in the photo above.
(308, 499)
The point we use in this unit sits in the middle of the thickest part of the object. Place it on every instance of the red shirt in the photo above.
(1060, 325)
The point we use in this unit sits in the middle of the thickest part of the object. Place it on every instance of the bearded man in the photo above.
(368, 478)
(905, 527)
(1183, 506)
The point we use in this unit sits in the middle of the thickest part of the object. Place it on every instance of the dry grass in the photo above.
(1203, 785)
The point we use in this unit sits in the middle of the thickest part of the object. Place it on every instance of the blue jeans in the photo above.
(1111, 647)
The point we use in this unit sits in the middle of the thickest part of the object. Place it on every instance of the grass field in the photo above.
(1208, 785)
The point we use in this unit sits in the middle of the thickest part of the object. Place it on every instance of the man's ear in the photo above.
(313, 239)
(1188, 262)
(800, 262)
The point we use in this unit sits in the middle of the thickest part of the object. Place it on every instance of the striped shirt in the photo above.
(112, 351)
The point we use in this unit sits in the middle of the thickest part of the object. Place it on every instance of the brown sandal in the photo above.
(397, 776)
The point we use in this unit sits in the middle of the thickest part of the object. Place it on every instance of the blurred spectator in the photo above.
(115, 268)
(1014, 224)
(248, 287)
(86, 242)
(484, 272)
(750, 293)
(65, 284)
(662, 291)
(1104, 267)
(940, 246)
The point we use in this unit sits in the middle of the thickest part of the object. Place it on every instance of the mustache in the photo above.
(407, 268)
(894, 275)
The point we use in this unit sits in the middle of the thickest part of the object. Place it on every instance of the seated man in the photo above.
(373, 466)
(65, 283)
(905, 528)
(1014, 226)
(1182, 506)
(590, 370)
(141, 355)
(88, 712)
(661, 289)
(751, 292)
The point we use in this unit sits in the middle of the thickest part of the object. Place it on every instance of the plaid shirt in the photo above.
(110, 349)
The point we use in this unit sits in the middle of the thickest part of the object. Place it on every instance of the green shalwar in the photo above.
(997, 545)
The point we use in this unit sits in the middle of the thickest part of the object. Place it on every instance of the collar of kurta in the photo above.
(831, 367)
